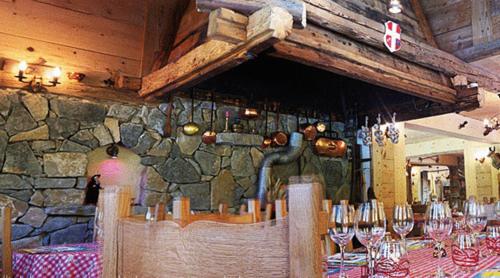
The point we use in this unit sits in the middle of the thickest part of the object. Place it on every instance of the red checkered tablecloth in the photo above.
(423, 264)
(78, 264)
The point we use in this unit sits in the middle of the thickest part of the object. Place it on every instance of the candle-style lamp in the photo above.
(35, 83)
(23, 66)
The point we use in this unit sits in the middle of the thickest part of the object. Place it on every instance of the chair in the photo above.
(6, 216)
(216, 245)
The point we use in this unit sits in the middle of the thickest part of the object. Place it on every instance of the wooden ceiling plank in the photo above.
(482, 29)
(265, 27)
(332, 16)
(296, 8)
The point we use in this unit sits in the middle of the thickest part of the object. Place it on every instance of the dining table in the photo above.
(69, 260)
(423, 265)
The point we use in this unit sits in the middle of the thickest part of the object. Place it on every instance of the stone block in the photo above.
(40, 133)
(37, 105)
(199, 195)
(20, 159)
(34, 217)
(65, 164)
(239, 139)
(8, 181)
(222, 189)
(59, 197)
(42, 183)
(72, 234)
(19, 120)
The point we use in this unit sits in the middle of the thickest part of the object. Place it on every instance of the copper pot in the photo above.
(330, 147)
(279, 139)
(309, 130)
(209, 137)
(266, 143)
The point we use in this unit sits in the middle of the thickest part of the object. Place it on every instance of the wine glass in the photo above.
(342, 229)
(393, 259)
(370, 225)
(402, 220)
(475, 217)
(493, 240)
(439, 223)
(464, 253)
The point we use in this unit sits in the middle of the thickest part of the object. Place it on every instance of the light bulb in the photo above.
(56, 72)
(395, 7)
(23, 66)
(486, 123)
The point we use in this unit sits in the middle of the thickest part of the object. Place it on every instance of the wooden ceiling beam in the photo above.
(332, 52)
(423, 23)
(296, 8)
(265, 27)
(332, 16)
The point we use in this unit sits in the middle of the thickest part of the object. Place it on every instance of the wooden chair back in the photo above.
(212, 245)
(6, 230)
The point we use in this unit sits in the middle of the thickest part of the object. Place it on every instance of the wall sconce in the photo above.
(113, 151)
(395, 7)
(491, 125)
(35, 83)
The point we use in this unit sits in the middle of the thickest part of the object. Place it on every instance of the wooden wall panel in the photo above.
(89, 36)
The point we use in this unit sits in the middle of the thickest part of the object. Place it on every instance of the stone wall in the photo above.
(45, 141)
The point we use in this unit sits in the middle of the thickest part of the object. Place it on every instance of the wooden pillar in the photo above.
(116, 205)
(6, 241)
(481, 179)
(304, 235)
(389, 171)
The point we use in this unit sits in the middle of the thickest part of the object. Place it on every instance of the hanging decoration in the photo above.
(392, 36)
(378, 133)
(395, 7)
(366, 133)
(491, 125)
(392, 131)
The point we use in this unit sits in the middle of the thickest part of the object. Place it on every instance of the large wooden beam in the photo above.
(423, 22)
(327, 50)
(296, 8)
(332, 16)
(265, 27)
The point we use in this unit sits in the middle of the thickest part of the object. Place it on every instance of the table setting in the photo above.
(461, 246)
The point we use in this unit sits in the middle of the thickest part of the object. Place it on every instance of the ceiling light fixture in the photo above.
(395, 7)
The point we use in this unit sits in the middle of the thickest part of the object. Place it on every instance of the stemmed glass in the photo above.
(493, 240)
(475, 217)
(342, 229)
(402, 220)
(370, 225)
(439, 224)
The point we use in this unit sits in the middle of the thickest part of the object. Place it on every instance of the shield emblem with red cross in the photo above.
(392, 36)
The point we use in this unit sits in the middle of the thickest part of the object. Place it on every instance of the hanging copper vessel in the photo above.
(191, 128)
(280, 138)
(267, 140)
(330, 147)
(309, 130)
(210, 136)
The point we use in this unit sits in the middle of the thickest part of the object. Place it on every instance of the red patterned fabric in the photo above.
(422, 264)
(468, 257)
(81, 264)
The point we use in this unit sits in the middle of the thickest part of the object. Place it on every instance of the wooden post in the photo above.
(329, 247)
(6, 241)
(182, 209)
(269, 212)
(160, 212)
(280, 210)
(304, 236)
(254, 209)
(223, 208)
(389, 172)
(116, 205)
